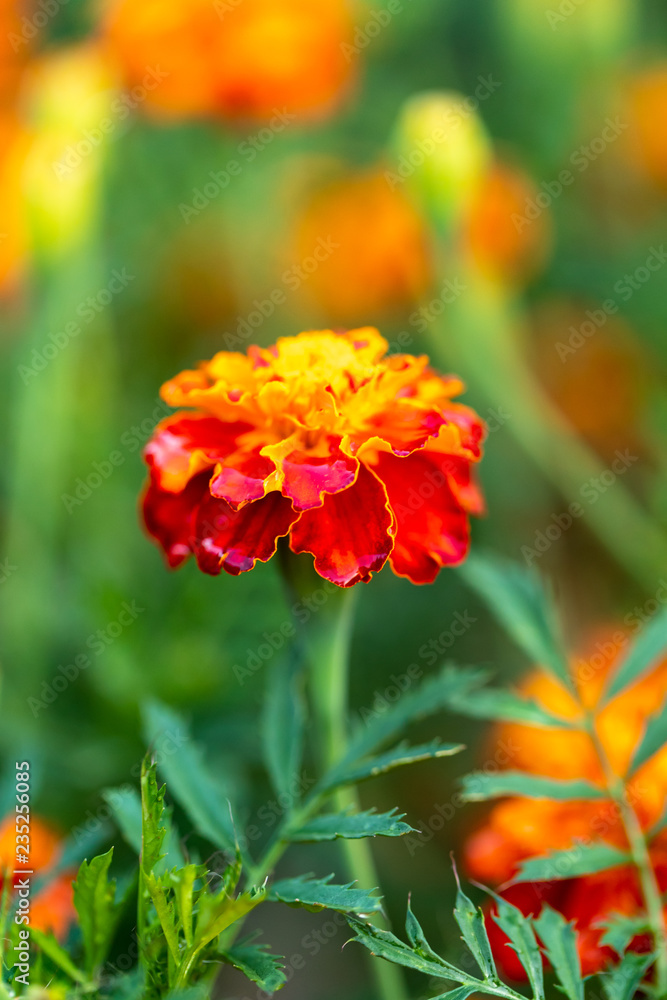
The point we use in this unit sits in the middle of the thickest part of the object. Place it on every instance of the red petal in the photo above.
(169, 517)
(183, 445)
(234, 540)
(308, 476)
(242, 478)
(432, 528)
(349, 535)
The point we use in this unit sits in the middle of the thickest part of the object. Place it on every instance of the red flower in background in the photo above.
(520, 828)
(357, 456)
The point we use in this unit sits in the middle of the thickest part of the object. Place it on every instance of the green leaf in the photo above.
(642, 655)
(460, 993)
(401, 755)
(319, 894)
(216, 912)
(580, 859)
(386, 945)
(560, 944)
(95, 903)
(259, 965)
(518, 599)
(284, 718)
(58, 955)
(183, 883)
(620, 982)
(353, 826)
(126, 805)
(507, 706)
(654, 738)
(522, 939)
(621, 929)
(417, 938)
(478, 786)
(471, 922)
(428, 697)
(190, 780)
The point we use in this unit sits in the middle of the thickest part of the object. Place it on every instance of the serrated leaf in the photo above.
(58, 955)
(507, 706)
(522, 939)
(386, 945)
(379, 726)
(654, 738)
(519, 600)
(417, 938)
(649, 645)
(479, 786)
(621, 929)
(319, 894)
(471, 923)
(580, 859)
(352, 826)
(216, 912)
(401, 755)
(460, 993)
(183, 883)
(190, 780)
(95, 904)
(620, 982)
(126, 805)
(258, 964)
(560, 944)
(284, 718)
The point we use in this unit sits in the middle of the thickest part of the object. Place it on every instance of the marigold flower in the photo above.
(647, 111)
(519, 828)
(14, 240)
(357, 456)
(381, 261)
(52, 908)
(238, 60)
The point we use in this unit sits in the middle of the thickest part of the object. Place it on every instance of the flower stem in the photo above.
(329, 647)
(641, 857)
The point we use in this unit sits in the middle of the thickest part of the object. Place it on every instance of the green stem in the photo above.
(641, 857)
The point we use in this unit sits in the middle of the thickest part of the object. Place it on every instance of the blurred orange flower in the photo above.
(358, 456)
(648, 112)
(504, 243)
(14, 227)
(381, 261)
(235, 58)
(51, 908)
(520, 828)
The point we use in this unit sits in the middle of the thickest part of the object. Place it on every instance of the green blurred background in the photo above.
(75, 416)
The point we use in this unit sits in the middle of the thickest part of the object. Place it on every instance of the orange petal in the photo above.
(187, 443)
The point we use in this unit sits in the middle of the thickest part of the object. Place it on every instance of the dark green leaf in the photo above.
(479, 786)
(520, 602)
(560, 944)
(654, 738)
(284, 716)
(353, 826)
(460, 993)
(259, 965)
(403, 754)
(620, 982)
(57, 954)
(580, 859)
(642, 655)
(522, 939)
(620, 930)
(216, 912)
(471, 922)
(386, 945)
(190, 780)
(417, 938)
(319, 894)
(507, 706)
(95, 903)
(126, 805)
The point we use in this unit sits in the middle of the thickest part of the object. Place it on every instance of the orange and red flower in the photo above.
(519, 828)
(357, 456)
(238, 60)
(52, 907)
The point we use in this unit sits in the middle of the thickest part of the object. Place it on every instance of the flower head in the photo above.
(519, 828)
(357, 456)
